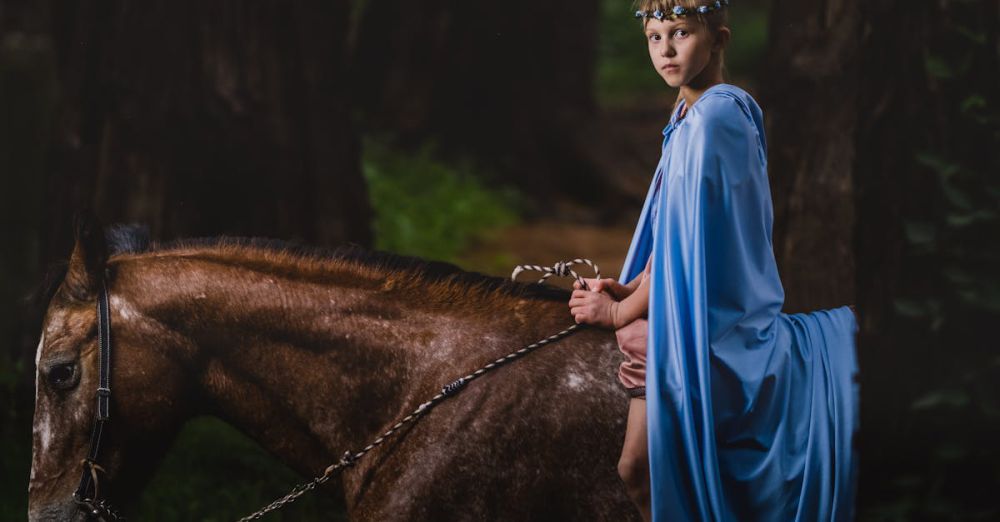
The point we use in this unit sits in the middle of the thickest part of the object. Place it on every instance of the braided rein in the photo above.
(349, 458)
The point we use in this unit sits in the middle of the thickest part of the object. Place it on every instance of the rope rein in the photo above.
(349, 458)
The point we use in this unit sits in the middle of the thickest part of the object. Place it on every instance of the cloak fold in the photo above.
(751, 412)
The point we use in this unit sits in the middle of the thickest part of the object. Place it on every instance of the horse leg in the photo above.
(633, 465)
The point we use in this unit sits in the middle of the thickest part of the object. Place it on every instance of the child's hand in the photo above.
(615, 289)
(593, 307)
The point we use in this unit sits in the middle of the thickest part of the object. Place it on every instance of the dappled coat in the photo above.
(751, 412)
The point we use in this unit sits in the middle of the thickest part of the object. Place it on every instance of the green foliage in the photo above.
(214, 473)
(957, 235)
(952, 255)
(429, 208)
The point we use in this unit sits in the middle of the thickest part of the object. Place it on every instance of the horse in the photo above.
(313, 352)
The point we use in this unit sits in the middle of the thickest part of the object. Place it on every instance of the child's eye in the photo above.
(680, 31)
(654, 37)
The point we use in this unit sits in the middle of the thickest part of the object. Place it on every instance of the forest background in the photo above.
(492, 134)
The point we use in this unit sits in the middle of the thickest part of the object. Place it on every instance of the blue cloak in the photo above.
(751, 412)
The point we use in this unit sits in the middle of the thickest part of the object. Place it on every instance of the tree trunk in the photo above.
(810, 96)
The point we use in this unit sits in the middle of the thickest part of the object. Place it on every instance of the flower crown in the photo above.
(682, 11)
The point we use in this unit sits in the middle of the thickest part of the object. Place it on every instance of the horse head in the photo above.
(66, 387)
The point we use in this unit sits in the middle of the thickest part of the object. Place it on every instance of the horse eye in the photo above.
(62, 376)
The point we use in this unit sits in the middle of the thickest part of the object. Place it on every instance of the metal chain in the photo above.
(561, 268)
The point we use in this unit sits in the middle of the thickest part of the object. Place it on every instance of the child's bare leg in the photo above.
(633, 466)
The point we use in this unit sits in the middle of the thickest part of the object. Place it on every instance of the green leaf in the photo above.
(974, 101)
(937, 163)
(941, 398)
(966, 219)
(968, 295)
(957, 275)
(978, 37)
(987, 297)
(960, 220)
(919, 233)
(955, 196)
(909, 308)
(937, 66)
(951, 452)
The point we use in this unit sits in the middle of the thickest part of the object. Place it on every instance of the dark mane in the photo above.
(134, 239)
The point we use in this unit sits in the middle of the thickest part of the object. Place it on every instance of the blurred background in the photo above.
(492, 134)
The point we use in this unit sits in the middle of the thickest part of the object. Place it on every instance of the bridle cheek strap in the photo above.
(88, 479)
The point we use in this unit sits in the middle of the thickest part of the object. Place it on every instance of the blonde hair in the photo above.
(714, 20)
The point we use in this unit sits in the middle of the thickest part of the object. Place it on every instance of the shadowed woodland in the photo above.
(491, 135)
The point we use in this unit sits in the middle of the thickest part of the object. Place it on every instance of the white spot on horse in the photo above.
(574, 381)
(80, 415)
(38, 358)
(200, 297)
(42, 430)
(124, 308)
(56, 321)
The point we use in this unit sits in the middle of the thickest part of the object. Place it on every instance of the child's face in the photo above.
(680, 49)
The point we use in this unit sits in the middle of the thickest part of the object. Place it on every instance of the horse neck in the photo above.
(312, 364)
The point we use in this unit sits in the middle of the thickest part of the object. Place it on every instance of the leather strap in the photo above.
(103, 413)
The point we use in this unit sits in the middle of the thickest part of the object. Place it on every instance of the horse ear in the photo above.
(85, 273)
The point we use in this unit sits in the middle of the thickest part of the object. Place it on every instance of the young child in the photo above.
(750, 413)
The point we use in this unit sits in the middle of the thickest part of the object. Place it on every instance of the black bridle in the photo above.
(87, 493)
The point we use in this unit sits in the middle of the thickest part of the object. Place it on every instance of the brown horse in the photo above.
(312, 355)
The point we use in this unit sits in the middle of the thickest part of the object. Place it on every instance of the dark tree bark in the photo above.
(511, 82)
(810, 98)
(206, 118)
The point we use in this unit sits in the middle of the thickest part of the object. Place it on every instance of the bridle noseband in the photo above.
(92, 504)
